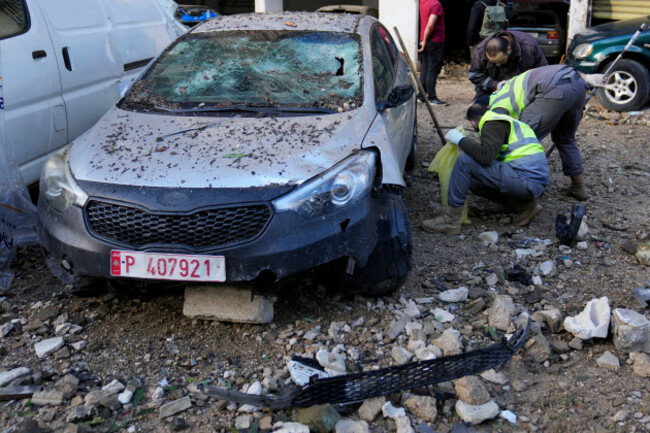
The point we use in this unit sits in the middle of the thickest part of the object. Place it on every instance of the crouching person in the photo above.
(507, 166)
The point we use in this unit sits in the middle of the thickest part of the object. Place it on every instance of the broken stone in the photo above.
(11, 375)
(508, 416)
(538, 348)
(641, 365)
(492, 280)
(396, 327)
(5, 329)
(125, 396)
(401, 355)
(592, 322)
(350, 426)
(631, 331)
(423, 407)
(609, 360)
(583, 231)
(643, 254)
(79, 345)
(227, 303)
(471, 390)
(501, 312)
(547, 267)
(49, 346)
(552, 317)
(429, 352)
(94, 397)
(488, 238)
(371, 408)
(450, 342)
(411, 310)
(80, 413)
(290, 427)
(390, 411)
(47, 398)
(456, 295)
(403, 424)
(443, 316)
(494, 377)
(113, 387)
(67, 385)
(575, 343)
(320, 418)
(333, 363)
(476, 414)
(175, 407)
(243, 422)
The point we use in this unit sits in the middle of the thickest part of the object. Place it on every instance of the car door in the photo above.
(385, 61)
(90, 71)
(35, 116)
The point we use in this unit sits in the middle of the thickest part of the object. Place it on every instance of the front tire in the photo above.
(627, 87)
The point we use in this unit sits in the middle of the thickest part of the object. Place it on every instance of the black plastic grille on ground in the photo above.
(357, 387)
(205, 228)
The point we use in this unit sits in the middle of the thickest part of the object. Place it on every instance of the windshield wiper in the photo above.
(305, 109)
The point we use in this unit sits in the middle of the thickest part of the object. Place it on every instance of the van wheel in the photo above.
(390, 262)
(627, 87)
(412, 159)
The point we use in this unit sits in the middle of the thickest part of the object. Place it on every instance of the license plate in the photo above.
(179, 267)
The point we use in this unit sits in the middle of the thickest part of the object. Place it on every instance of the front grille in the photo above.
(205, 228)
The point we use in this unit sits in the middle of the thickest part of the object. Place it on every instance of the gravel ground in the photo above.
(555, 384)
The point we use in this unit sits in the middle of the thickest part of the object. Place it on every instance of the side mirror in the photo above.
(396, 97)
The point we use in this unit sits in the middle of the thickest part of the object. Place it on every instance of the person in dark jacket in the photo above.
(475, 22)
(500, 57)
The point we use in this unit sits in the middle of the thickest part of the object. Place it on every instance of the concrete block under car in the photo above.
(227, 303)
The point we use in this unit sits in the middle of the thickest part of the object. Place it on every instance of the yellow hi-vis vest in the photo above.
(522, 142)
(511, 95)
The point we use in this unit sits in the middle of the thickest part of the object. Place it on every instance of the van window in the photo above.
(13, 18)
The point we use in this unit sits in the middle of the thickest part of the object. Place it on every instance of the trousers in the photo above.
(558, 111)
(432, 59)
(496, 182)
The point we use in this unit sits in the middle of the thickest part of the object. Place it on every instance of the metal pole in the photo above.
(419, 86)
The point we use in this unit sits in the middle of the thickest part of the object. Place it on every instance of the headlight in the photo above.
(57, 185)
(345, 183)
(582, 50)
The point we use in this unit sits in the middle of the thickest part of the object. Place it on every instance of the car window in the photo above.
(391, 48)
(268, 68)
(13, 18)
(532, 20)
(382, 67)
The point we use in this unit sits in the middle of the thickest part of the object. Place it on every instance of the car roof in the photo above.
(285, 21)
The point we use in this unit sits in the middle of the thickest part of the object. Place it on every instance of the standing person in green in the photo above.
(432, 46)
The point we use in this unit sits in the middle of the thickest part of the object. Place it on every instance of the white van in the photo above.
(65, 62)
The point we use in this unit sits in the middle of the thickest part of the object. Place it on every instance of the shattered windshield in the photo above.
(255, 68)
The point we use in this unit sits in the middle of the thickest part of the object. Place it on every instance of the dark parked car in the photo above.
(545, 27)
(628, 84)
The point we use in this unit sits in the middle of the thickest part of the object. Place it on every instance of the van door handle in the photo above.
(66, 59)
(38, 54)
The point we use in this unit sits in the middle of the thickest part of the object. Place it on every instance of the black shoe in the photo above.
(436, 101)
(420, 98)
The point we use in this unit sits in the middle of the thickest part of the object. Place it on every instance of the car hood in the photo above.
(143, 149)
(615, 28)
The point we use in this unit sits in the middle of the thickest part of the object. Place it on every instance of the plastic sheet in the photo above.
(443, 164)
(17, 213)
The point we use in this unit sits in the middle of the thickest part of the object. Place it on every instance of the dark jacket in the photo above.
(526, 54)
(476, 20)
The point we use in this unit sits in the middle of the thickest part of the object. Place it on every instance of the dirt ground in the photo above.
(141, 338)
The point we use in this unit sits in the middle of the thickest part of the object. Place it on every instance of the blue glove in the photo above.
(454, 136)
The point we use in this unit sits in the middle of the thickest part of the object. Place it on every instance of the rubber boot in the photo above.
(448, 222)
(526, 212)
(577, 189)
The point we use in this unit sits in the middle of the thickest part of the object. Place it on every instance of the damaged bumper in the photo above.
(285, 244)
(353, 388)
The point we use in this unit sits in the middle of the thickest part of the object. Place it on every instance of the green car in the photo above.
(628, 84)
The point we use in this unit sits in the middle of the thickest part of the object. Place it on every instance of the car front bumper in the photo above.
(287, 245)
